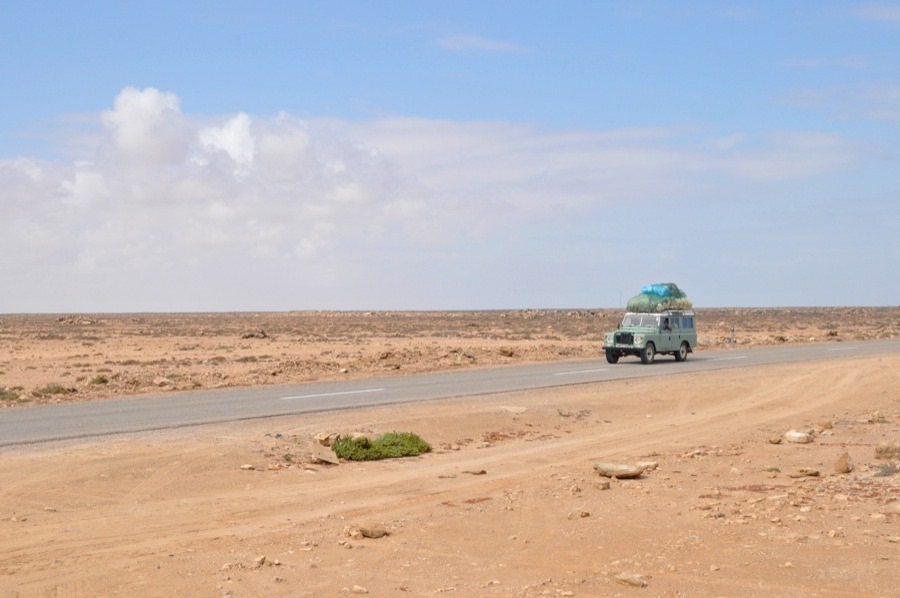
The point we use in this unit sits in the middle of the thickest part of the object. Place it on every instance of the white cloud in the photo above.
(788, 155)
(876, 101)
(234, 139)
(881, 11)
(166, 202)
(146, 125)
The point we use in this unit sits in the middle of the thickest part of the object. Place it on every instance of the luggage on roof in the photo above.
(658, 297)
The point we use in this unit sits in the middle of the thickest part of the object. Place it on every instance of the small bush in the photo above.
(8, 394)
(886, 470)
(99, 380)
(54, 389)
(386, 446)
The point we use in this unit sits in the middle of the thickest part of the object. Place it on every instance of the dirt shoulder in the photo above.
(507, 504)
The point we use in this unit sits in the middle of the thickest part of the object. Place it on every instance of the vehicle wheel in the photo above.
(612, 356)
(648, 353)
(682, 352)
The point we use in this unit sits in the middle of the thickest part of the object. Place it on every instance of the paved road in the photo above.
(172, 410)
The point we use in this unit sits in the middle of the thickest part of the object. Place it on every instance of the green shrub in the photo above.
(99, 380)
(54, 389)
(8, 394)
(386, 446)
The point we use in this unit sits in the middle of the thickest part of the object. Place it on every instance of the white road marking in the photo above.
(843, 349)
(572, 373)
(333, 394)
(729, 358)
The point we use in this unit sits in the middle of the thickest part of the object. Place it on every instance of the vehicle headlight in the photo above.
(638, 339)
(609, 339)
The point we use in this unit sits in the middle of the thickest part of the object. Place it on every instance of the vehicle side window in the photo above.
(688, 323)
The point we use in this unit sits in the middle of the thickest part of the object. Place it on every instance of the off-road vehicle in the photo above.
(644, 335)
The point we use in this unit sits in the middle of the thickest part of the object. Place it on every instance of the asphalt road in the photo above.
(47, 423)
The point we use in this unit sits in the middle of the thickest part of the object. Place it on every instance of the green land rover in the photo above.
(643, 335)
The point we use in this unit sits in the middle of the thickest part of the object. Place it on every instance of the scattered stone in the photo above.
(373, 531)
(259, 562)
(162, 382)
(844, 464)
(323, 454)
(254, 334)
(358, 532)
(775, 439)
(619, 470)
(648, 465)
(798, 437)
(805, 472)
(247, 467)
(887, 449)
(632, 579)
(604, 486)
(327, 438)
(359, 590)
(515, 410)
(479, 472)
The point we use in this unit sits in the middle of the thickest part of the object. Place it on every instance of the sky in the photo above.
(430, 155)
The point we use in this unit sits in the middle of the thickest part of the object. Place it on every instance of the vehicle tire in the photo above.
(612, 356)
(648, 353)
(682, 353)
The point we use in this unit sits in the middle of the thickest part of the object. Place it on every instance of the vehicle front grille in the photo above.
(624, 338)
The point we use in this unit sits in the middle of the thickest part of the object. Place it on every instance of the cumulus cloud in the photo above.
(146, 125)
(211, 206)
(233, 138)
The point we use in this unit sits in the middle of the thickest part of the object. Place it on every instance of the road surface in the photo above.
(172, 410)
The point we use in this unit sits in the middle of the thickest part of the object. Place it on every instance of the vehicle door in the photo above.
(667, 338)
(688, 332)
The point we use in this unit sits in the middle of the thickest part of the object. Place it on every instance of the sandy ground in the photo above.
(507, 504)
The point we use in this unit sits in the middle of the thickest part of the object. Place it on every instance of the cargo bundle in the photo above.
(659, 297)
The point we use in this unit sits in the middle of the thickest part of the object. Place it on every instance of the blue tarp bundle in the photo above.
(664, 289)
(659, 296)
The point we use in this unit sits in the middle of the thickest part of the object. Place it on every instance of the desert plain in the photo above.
(508, 502)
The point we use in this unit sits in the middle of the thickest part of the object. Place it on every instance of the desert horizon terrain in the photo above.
(778, 480)
(53, 358)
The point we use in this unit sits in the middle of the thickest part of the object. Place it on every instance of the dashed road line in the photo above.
(576, 372)
(333, 394)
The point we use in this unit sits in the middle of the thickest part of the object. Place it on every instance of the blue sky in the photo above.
(447, 155)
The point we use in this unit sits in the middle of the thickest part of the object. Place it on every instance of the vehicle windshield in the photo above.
(641, 321)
